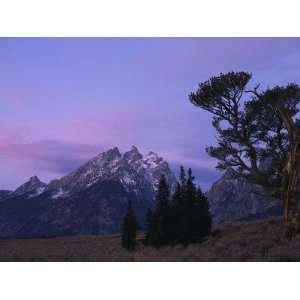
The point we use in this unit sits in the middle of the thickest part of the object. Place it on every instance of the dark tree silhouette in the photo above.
(204, 222)
(258, 135)
(185, 219)
(160, 214)
(182, 176)
(129, 228)
(197, 220)
(150, 229)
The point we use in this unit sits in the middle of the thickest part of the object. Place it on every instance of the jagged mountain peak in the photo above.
(108, 155)
(34, 179)
(133, 154)
(113, 152)
(153, 156)
(92, 199)
(33, 185)
(151, 153)
(152, 160)
(130, 168)
(134, 149)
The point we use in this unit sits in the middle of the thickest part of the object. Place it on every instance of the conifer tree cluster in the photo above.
(129, 228)
(183, 218)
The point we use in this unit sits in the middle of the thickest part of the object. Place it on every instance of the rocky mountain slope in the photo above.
(4, 194)
(232, 199)
(33, 186)
(90, 200)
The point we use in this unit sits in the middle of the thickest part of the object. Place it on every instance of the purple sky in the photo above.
(65, 100)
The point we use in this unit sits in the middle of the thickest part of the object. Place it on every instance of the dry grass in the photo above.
(256, 241)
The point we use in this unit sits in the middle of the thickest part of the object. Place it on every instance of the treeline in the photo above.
(179, 218)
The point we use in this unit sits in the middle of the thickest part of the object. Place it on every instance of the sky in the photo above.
(65, 100)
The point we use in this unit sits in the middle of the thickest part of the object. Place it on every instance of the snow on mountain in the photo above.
(130, 168)
(93, 198)
(33, 186)
(90, 200)
(156, 166)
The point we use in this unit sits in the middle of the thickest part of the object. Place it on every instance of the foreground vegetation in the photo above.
(253, 241)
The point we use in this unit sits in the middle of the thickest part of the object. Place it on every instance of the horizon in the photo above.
(65, 100)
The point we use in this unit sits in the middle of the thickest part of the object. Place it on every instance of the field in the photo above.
(253, 241)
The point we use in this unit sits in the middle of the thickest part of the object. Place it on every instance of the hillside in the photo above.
(245, 241)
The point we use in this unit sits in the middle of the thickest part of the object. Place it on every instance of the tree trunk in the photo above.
(290, 188)
(291, 191)
(290, 218)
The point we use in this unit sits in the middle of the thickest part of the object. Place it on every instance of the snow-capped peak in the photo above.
(152, 160)
(131, 168)
(133, 155)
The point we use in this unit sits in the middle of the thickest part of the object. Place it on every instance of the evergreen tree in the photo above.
(205, 217)
(150, 233)
(200, 219)
(194, 218)
(129, 228)
(190, 189)
(176, 198)
(161, 212)
(175, 220)
(163, 195)
(190, 216)
(182, 176)
(157, 220)
(185, 219)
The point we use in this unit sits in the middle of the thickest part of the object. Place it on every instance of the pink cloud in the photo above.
(49, 154)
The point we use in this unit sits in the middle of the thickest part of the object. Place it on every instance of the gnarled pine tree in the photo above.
(258, 135)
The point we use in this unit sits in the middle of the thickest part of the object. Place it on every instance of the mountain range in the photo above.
(93, 198)
(90, 200)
